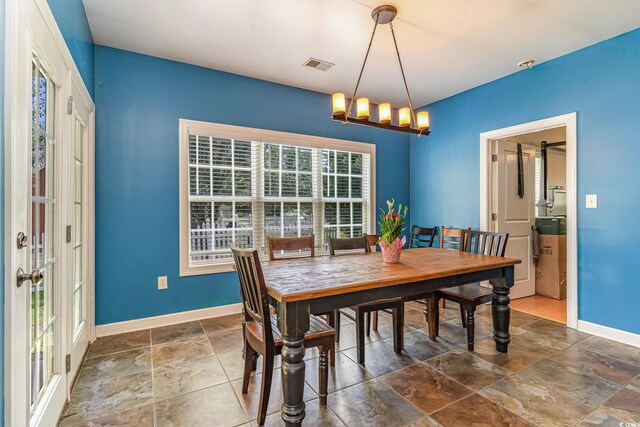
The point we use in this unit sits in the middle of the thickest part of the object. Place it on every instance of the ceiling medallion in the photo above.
(408, 120)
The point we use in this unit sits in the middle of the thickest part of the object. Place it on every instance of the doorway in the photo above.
(49, 217)
(528, 189)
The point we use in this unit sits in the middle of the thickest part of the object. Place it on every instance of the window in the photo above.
(240, 186)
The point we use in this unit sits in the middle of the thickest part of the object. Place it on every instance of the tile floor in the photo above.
(190, 375)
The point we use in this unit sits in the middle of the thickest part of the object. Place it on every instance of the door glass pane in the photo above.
(43, 248)
(77, 277)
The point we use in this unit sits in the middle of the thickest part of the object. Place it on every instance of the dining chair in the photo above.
(284, 244)
(262, 335)
(422, 237)
(292, 247)
(472, 295)
(363, 311)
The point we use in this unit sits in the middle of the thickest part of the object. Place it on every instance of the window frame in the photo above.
(218, 130)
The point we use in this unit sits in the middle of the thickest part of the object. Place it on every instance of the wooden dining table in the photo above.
(300, 287)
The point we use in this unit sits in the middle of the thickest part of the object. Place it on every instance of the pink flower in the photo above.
(389, 204)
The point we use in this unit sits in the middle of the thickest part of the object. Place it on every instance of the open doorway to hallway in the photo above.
(528, 190)
(529, 198)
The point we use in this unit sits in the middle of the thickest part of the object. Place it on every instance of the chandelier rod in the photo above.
(404, 79)
(355, 91)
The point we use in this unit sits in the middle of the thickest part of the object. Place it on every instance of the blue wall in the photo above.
(139, 100)
(601, 83)
(72, 21)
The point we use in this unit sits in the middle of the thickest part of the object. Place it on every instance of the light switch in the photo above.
(592, 201)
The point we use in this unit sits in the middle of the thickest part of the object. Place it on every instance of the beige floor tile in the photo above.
(372, 403)
(110, 396)
(181, 350)
(184, 376)
(475, 410)
(425, 387)
(472, 371)
(222, 323)
(141, 416)
(212, 406)
(115, 365)
(120, 342)
(175, 332)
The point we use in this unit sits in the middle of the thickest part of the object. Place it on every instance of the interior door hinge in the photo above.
(68, 363)
(68, 234)
(494, 157)
(494, 217)
(70, 105)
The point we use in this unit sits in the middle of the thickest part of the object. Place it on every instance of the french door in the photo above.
(48, 209)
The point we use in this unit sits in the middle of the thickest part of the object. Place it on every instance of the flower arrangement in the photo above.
(391, 225)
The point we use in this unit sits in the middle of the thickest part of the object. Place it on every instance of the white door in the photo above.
(79, 280)
(515, 215)
(41, 329)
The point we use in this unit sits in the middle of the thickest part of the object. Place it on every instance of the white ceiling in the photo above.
(447, 46)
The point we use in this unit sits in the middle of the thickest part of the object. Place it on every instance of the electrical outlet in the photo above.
(163, 283)
(592, 201)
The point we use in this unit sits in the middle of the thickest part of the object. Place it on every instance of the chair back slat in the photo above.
(372, 241)
(351, 244)
(253, 288)
(450, 238)
(485, 242)
(278, 244)
(422, 237)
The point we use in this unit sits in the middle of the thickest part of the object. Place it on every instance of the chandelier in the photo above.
(408, 120)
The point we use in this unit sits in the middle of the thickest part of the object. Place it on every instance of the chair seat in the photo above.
(471, 292)
(317, 329)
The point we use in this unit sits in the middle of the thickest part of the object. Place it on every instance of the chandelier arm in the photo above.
(355, 91)
(404, 79)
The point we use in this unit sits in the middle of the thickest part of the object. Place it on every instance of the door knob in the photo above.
(34, 277)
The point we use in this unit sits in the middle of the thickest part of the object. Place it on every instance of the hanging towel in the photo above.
(535, 244)
(520, 173)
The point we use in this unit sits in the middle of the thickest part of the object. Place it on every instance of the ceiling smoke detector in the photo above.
(318, 64)
(526, 64)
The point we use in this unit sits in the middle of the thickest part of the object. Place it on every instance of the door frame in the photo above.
(17, 130)
(569, 121)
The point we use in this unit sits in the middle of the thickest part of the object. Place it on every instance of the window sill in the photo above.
(206, 269)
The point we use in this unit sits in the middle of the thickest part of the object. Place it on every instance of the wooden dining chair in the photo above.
(472, 295)
(283, 244)
(293, 247)
(262, 335)
(363, 312)
(422, 237)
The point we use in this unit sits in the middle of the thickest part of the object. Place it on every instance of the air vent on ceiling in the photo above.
(318, 64)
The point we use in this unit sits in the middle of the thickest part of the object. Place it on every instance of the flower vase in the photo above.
(391, 253)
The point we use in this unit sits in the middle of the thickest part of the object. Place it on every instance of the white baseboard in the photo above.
(609, 333)
(166, 320)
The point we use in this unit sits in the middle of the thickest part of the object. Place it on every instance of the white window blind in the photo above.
(243, 190)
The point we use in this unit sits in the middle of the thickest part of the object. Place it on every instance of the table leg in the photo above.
(501, 311)
(293, 322)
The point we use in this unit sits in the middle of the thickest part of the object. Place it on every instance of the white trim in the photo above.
(609, 333)
(23, 19)
(193, 127)
(570, 122)
(166, 320)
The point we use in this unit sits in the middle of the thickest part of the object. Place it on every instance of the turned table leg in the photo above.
(501, 311)
(293, 322)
